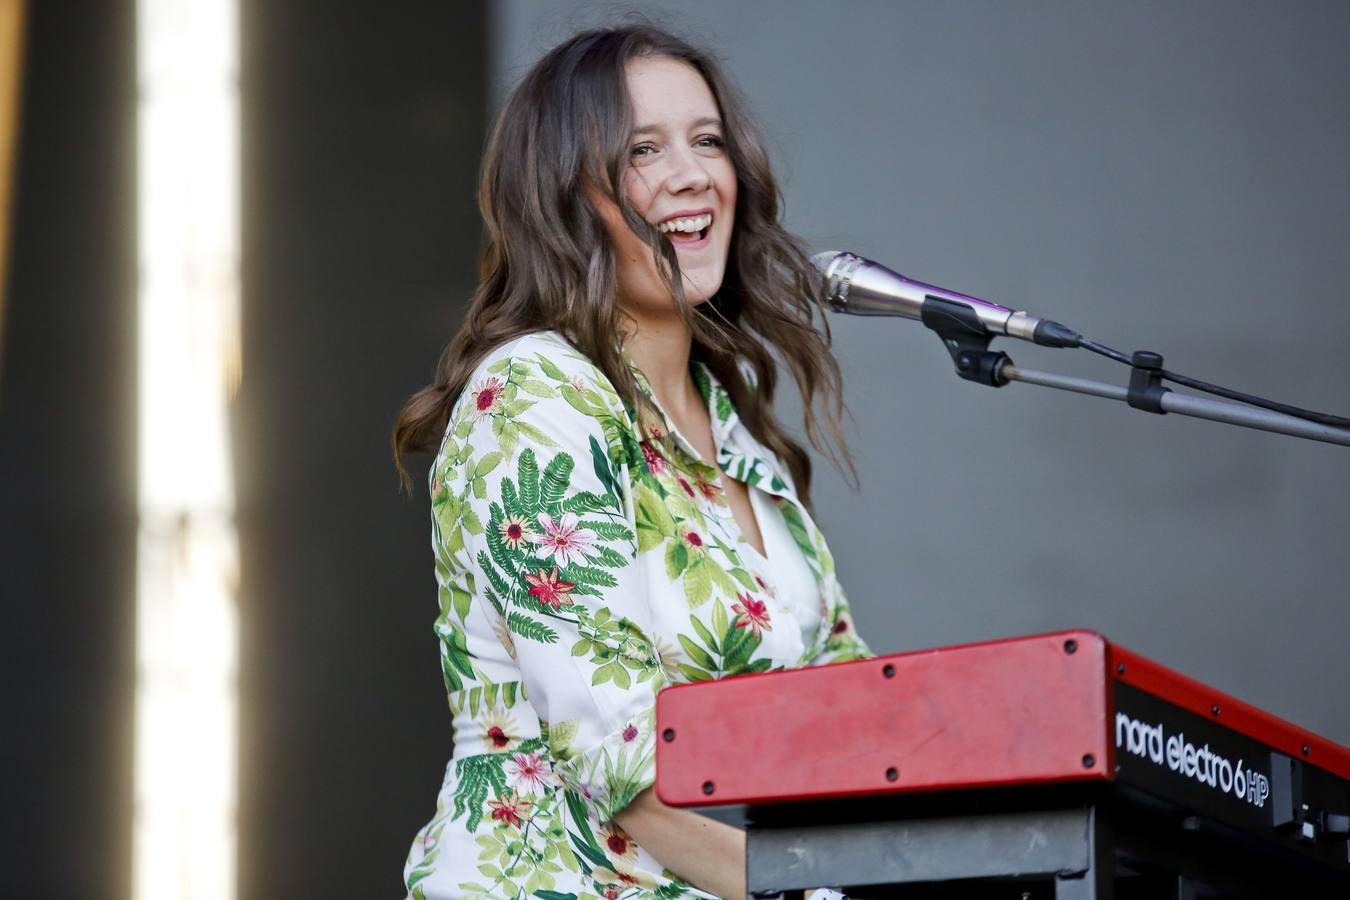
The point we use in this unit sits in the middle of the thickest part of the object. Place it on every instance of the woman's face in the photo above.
(679, 179)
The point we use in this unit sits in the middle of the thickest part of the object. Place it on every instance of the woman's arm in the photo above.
(706, 853)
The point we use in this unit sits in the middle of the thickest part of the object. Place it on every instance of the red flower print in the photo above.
(630, 733)
(487, 397)
(712, 491)
(622, 848)
(752, 614)
(687, 488)
(497, 736)
(693, 541)
(655, 461)
(611, 893)
(548, 588)
(841, 626)
(509, 810)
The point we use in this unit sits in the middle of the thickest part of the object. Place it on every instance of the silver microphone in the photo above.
(862, 287)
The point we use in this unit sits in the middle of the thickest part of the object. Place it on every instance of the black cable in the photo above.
(1273, 406)
(1104, 351)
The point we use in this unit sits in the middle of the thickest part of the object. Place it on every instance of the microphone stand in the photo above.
(967, 341)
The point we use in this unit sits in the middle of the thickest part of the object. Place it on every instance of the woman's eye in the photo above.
(642, 150)
(711, 141)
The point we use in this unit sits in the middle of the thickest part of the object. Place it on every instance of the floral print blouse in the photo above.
(585, 560)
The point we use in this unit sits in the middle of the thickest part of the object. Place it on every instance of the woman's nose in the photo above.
(688, 172)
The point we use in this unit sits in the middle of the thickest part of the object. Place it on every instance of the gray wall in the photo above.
(1173, 177)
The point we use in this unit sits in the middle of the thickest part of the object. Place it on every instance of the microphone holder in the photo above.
(968, 343)
(966, 340)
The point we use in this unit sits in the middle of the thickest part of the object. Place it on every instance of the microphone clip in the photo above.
(966, 340)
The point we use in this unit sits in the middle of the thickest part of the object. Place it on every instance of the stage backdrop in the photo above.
(1168, 177)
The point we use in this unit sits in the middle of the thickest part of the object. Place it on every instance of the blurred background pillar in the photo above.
(68, 459)
(362, 129)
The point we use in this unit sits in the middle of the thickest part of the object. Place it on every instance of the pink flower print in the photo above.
(509, 809)
(562, 540)
(528, 773)
(513, 530)
(548, 588)
(752, 614)
(655, 461)
(630, 733)
(487, 397)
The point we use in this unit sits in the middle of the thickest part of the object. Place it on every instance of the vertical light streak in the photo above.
(187, 622)
(11, 70)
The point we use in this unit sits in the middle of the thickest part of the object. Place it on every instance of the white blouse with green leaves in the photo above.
(586, 560)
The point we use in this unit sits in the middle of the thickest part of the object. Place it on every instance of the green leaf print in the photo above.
(697, 653)
(557, 475)
(526, 627)
(478, 775)
(581, 402)
(538, 389)
(724, 407)
(554, 895)
(589, 577)
(486, 463)
(677, 557)
(538, 435)
(694, 673)
(704, 634)
(719, 618)
(652, 512)
(607, 531)
(600, 463)
(583, 502)
(697, 583)
(582, 838)
(528, 483)
(499, 584)
(549, 368)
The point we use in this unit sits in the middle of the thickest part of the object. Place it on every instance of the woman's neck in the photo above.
(662, 353)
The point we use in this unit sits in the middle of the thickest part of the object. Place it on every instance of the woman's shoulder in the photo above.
(540, 374)
(547, 352)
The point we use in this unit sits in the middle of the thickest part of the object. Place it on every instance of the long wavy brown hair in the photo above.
(548, 262)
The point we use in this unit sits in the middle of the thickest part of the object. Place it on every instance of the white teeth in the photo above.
(692, 224)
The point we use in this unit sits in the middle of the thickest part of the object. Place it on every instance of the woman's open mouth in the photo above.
(688, 233)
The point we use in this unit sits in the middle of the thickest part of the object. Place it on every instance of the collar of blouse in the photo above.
(738, 453)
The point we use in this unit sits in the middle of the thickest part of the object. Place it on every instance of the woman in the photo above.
(615, 508)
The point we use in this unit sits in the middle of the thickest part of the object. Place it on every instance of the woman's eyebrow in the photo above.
(697, 123)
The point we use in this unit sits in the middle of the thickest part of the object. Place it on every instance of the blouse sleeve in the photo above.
(843, 643)
(551, 545)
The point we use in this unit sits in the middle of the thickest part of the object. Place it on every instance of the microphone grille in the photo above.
(836, 268)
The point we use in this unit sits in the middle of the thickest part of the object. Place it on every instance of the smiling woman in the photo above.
(610, 482)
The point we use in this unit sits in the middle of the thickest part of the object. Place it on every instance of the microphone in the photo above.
(862, 287)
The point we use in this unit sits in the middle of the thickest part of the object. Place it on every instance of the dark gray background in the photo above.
(1164, 176)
